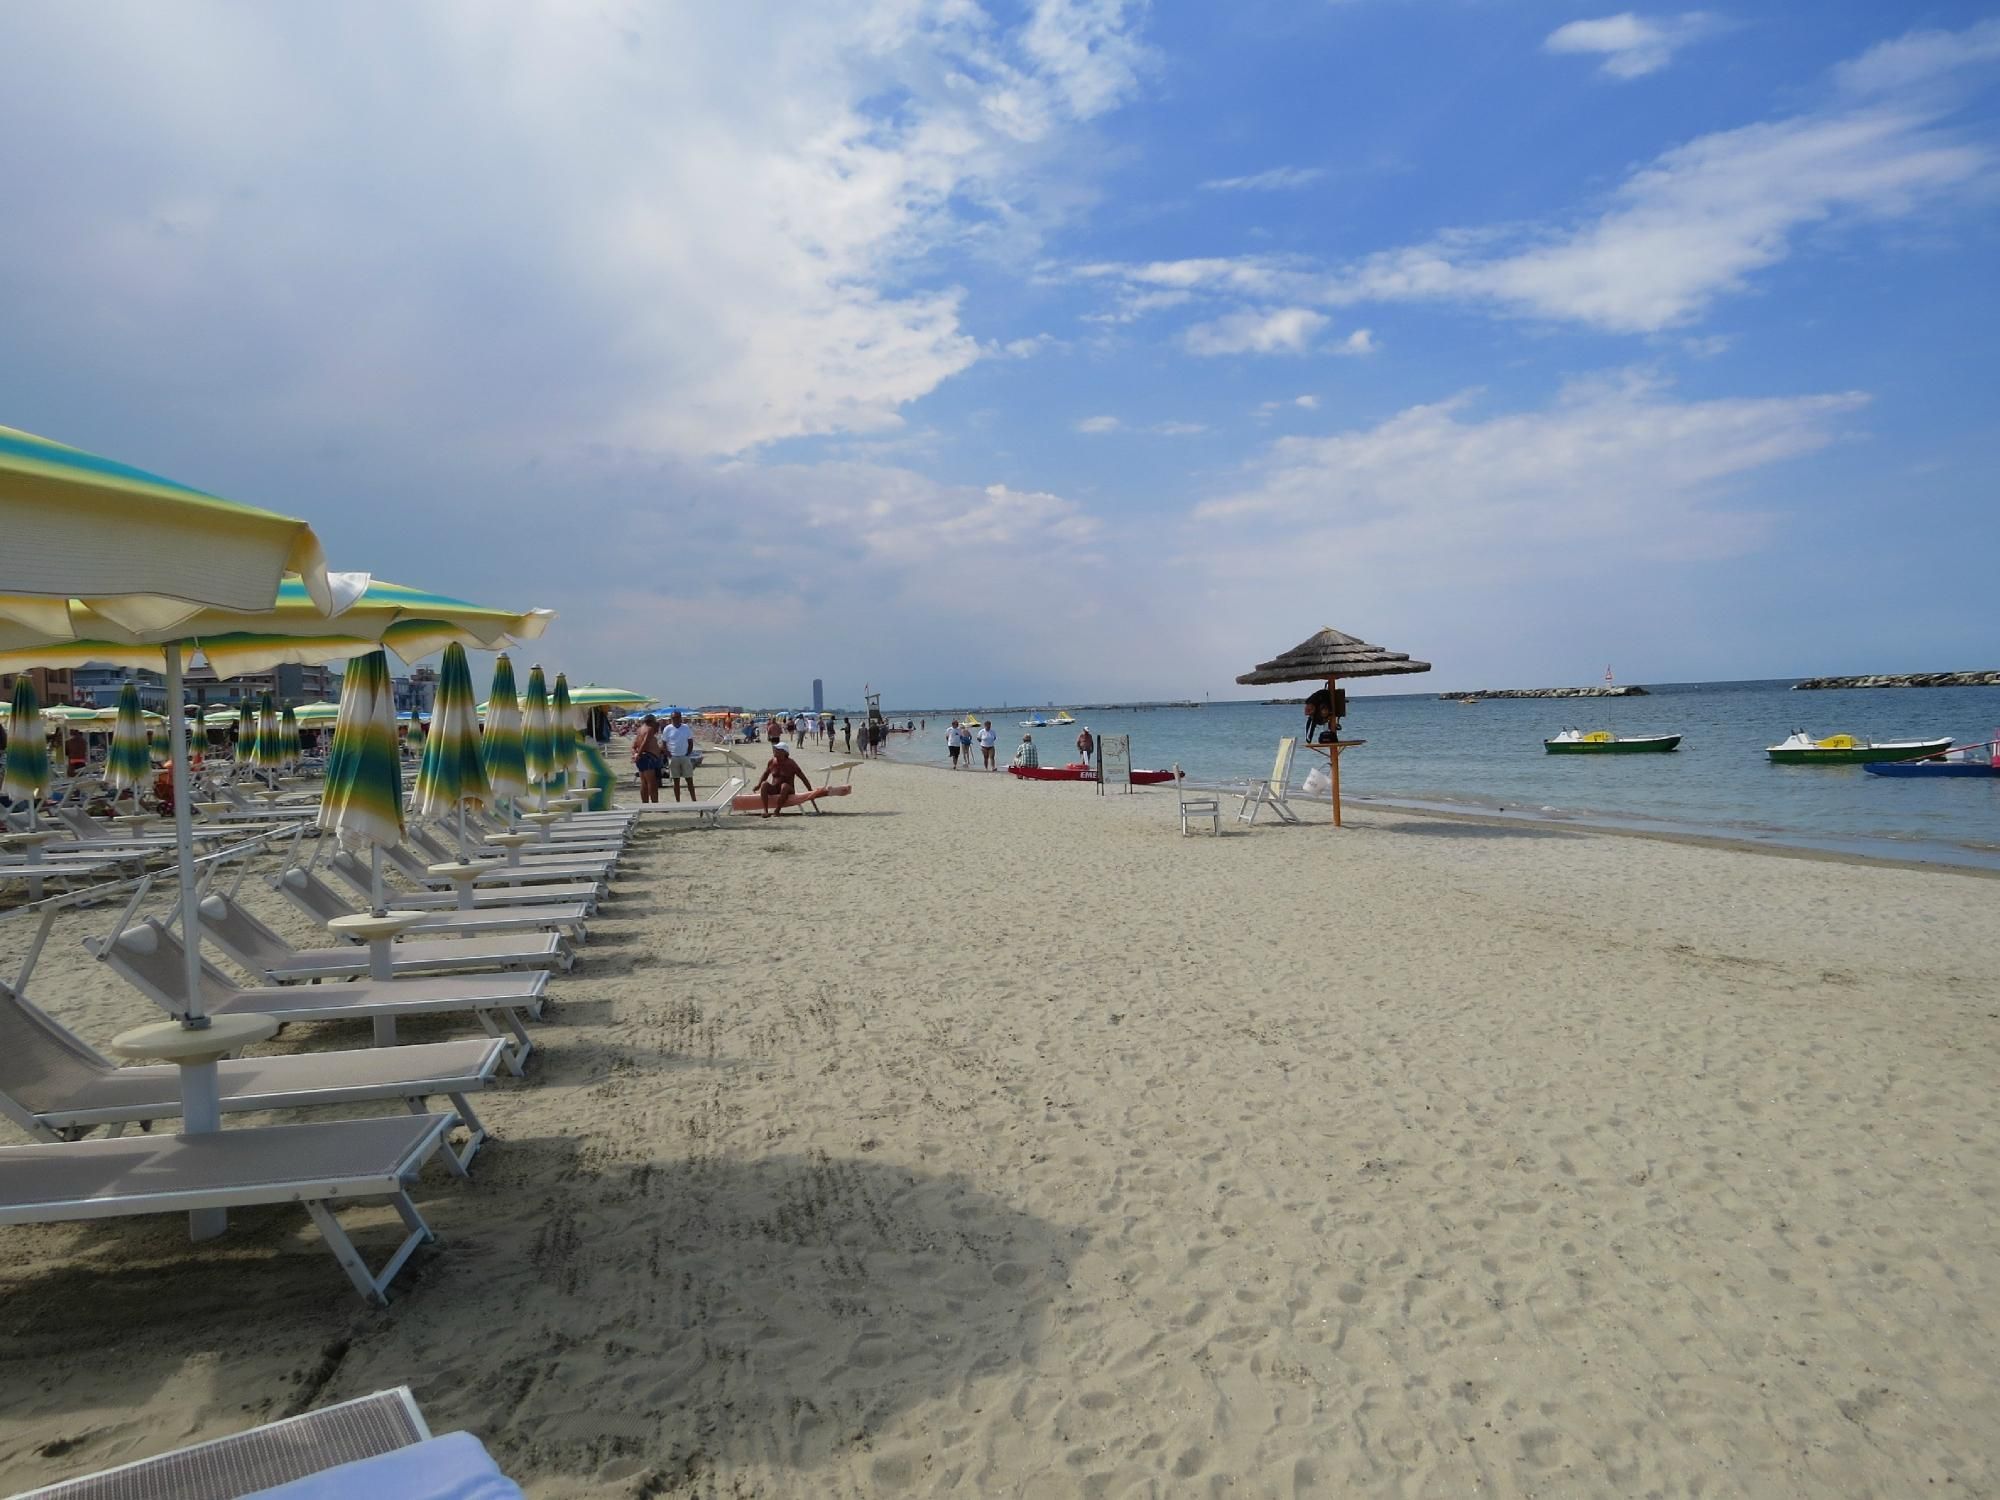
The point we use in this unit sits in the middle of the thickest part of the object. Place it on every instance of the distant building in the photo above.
(417, 693)
(819, 696)
(52, 684)
(98, 683)
(286, 684)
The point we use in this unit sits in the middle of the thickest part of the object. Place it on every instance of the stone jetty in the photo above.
(1906, 679)
(1615, 691)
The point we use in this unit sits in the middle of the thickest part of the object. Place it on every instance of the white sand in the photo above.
(991, 1139)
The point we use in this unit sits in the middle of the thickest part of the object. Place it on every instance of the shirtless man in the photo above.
(780, 771)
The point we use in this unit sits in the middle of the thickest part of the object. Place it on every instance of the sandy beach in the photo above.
(992, 1139)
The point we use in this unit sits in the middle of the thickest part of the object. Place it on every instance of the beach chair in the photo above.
(1272, 791)
(57, 1087)
(706, 813)
(154, 962)
(259, 950)
(414, 864)
(1204, 803)
(318, 1165)
(322, 903)
(377, 1445)
(357, 875)
(603, 852)
(754, 802)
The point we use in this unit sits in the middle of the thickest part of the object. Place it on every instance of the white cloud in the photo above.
(1178, 429)
(1095, 425)
(1616, 472)
(692, 261)
(1359, 342)
(1918, 57)
(1284, 330)
(1631, 45)
(1272, 180)
(1307, 403)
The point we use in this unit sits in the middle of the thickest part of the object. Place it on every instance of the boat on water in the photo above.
(1801, 749)
(1063, 717)
(1604, 742)
(1960, 760)
(1080, 772)
(1038, 722)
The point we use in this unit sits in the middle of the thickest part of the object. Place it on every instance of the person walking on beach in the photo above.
(988, 741)
(847, 735)
(775, 785)
(951, 743)
(646, 757)
(679, 741)
(1085, 744)
(774, 731)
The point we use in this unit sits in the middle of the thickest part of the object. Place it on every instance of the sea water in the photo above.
(1488, 755)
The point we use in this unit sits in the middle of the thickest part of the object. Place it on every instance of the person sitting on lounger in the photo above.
(780, 771)
(1025, 753)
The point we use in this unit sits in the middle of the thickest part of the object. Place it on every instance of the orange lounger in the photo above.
(751, 802)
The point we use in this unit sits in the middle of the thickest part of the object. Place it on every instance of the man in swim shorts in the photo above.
(776, 783)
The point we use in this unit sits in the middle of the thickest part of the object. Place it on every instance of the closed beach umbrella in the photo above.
(363, 801)
(26, 775)
(538, 739)
(563, 717)
(270, 751)
(289, 746)
(594, 774)
(246, 736)
(451, 774)
(131, 762)
(501, 749)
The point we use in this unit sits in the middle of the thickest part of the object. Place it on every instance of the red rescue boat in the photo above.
(1076, 771)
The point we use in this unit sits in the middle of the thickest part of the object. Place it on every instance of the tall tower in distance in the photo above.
(819, 696)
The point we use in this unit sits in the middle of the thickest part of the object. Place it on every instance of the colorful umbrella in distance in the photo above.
(270, 746)
(219, 718)
(67, 713)
(595, 695)
(363, 802)
(26, 776)
(450, 774)
(130, 764)
(563, 719)
(501, 751)
(316, 713)
(538, 740)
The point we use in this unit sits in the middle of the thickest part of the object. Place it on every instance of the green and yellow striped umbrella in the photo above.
(594, 772)
(67, 713)
(538, 740)
(270, 752)
(450, 774)
(595, 695)
(219, 718)
(130, 764)
(363, 802)
(246, 736)
(500, 750)
(316, 713)
(290, 749)
(26, 776)
(563, 719)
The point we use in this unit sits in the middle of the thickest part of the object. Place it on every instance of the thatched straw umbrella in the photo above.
(1329, 656)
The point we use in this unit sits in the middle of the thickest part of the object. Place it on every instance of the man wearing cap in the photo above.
(775, 785)
(679, 741)
(1025, 753)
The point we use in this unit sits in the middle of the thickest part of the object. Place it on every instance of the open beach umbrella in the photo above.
(563, 718)
(538, 737)
(1327, 656)
(26, 774)
(130, 764)
(595, 695)
(450, 774)
(67, 713)
(219, 718)
(310, 714)
(501, 750)
(363, 801)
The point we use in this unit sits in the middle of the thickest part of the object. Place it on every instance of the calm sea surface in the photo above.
(1490, 755)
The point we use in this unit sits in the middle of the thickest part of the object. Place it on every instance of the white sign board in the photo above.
(1114, 760)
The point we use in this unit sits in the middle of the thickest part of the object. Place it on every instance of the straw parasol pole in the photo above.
(1328, 656)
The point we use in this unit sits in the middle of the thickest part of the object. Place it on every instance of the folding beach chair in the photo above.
(1272, 791)
(318, 900)
(706, 813)
(357, 875)
(259, 950)
(377, 1445)
(57, 1087)
(154, 962)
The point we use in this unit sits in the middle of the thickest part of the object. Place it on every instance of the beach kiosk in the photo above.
(1327, 657)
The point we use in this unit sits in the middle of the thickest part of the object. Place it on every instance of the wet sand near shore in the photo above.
(991, 1138)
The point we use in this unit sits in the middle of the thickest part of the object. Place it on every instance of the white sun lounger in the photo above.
(323, 903)
(576, 892)
(601, 852)
(57, 1087)
(1274, 789)
(707, 812)
(319, 1165)
(416, 868)
(153, 961)
(259, 950)
(377, 1445)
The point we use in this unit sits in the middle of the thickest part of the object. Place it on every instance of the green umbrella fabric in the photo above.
(450, 774)
(501, 751)
(290, 748)
(270, 751)
(26, 775)
(594, 772)
(564, 720)
(316, 713)
(130, 765)
(363, 802)
(596, 695)
(538, 739)
(219, 718)
(67, 713)
(246, 736)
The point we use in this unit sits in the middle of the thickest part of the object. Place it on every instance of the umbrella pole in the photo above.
(463, 857)
(381, 906)
(177, 750)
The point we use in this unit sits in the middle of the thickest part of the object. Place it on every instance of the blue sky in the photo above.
(1055, 349)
